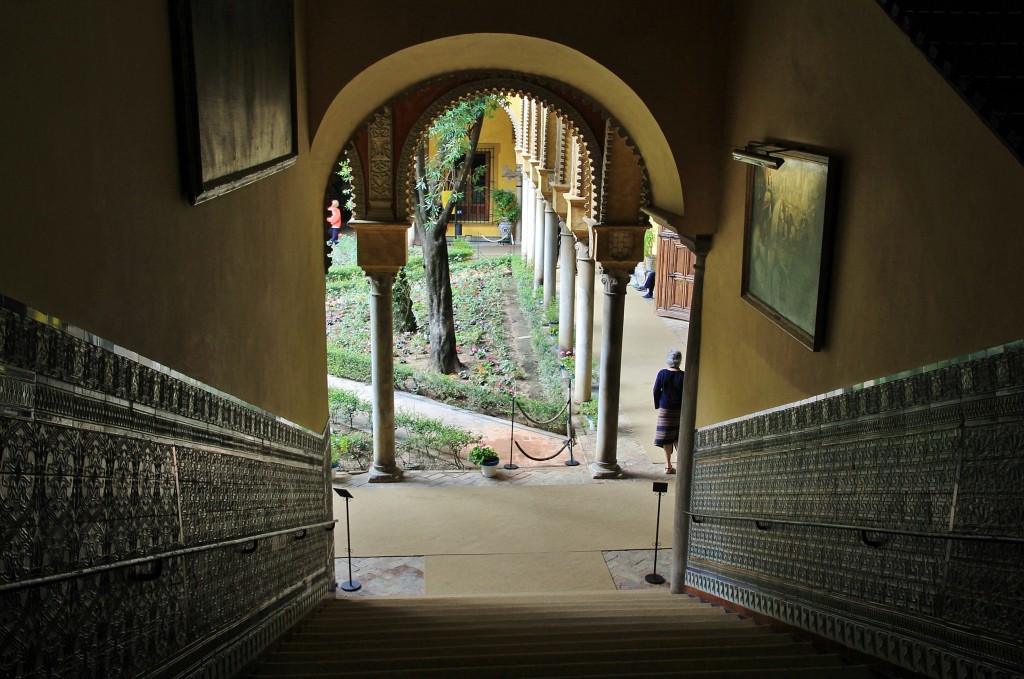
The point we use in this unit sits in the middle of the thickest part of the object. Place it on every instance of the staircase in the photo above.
(615, 634)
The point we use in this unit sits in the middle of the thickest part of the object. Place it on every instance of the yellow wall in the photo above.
(497, 134)
(95, 228)
(929, 230)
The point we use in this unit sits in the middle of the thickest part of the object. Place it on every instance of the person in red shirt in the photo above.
(334, 219)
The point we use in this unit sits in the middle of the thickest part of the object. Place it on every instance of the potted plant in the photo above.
(506, 210)
(486, 458)
(649, 237)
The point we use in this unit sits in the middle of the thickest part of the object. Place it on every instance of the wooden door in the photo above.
(673, 289)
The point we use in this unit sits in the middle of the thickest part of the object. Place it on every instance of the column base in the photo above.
(385, 474)
(605, 470)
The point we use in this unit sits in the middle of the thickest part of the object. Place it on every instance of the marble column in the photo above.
(584, 321)
(687, 424)
(538, 240)
(566, 289)
(526, 215)
(382, 354)
(618, 249)
(381, 251)
(550, 252)
(606, 465)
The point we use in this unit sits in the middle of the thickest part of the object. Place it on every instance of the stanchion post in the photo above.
(660, 487)
(349, 585)
(512, 434)
(570, 431)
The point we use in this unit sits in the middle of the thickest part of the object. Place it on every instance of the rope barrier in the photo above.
(541, 422)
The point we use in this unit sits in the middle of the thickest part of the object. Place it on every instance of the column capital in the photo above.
(618, 246)
(575, 215)
(381, 282)
(616, 281)
(381, 247)
(583, 250)
(558, 199)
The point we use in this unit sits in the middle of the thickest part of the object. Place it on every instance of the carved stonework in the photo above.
(936, 451)
(105, 458)
(619, 247)
(381, 247)
(381, 164)
(511, 85)
(616, 281)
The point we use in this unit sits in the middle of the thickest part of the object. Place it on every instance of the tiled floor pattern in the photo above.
(628, 567)
(381, 576)
(403, 575)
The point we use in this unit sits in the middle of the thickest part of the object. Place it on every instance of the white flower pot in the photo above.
(489, 469)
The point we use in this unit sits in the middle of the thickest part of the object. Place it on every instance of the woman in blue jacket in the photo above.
(668, 399)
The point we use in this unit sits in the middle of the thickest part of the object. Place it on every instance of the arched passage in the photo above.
(399, 72)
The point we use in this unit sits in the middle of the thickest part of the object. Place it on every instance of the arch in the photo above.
(509, 85)
(404, 69)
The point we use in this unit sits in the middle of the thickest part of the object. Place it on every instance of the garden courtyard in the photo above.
(545, 526)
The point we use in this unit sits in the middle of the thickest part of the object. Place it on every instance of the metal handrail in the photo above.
(761, 521)
(23, 584)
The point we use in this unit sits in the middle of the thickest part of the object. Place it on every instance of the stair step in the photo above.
(582, 667)
(740, 639)
(574, 635)
(355, 631)
(628, 597)
(449, 612)
(462, 618)
(454, 656)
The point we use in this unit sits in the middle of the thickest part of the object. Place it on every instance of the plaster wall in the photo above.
(928, 231)
(97, 231)
(359, 57)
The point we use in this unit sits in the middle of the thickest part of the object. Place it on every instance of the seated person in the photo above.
(648, 285)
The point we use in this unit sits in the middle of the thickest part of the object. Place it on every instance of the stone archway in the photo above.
(401, 71)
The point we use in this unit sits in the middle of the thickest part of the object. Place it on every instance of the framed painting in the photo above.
(234, 66)
(787, 253)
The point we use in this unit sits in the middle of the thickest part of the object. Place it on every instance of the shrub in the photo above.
(459, 250)
(429, 438)
(355, 447)
(345, 405)
(350, 365)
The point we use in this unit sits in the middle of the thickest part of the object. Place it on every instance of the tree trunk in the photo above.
(440, 317)
(437, 274)
(405, 320)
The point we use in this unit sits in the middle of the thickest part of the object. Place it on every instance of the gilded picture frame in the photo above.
(788, 240)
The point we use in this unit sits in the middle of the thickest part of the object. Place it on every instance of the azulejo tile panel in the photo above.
(934, 451)
(107, 459)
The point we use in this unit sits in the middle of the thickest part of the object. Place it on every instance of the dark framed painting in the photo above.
(234, 66)
(788, 233)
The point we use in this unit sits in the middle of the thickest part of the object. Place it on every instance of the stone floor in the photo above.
(403, 575)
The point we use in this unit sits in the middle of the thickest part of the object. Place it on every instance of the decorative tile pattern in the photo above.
(936, 450)
(381, 576)
(629, 567)
(107, 458)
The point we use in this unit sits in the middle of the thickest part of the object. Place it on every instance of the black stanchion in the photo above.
(660, 487)
(349, 585)
(570, 430)
(512, 435)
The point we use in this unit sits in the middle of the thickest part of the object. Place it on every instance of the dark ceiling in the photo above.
(977, 46)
